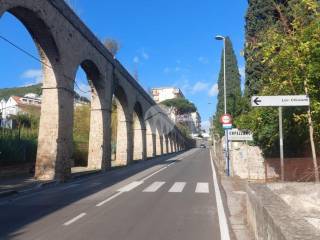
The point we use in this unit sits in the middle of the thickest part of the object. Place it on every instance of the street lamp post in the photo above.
(219, 37)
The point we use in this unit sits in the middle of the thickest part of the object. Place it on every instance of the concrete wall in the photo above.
(65, 44)
(270, 218)
(247, 162)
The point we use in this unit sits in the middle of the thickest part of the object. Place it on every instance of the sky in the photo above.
(168, 42)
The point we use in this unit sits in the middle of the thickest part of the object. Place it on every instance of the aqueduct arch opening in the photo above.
(49, 158)
(139, 133)
(89, 119)
(123, 148)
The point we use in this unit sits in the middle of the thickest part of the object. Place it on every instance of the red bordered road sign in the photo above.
(226, 119)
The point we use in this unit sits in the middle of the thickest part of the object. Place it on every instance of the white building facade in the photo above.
(16, 105)
(192, 120)
(165, 93)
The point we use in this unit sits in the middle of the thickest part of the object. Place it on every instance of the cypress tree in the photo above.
(233, 87)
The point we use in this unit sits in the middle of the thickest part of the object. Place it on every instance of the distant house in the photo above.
(192, 120)
(15, 105)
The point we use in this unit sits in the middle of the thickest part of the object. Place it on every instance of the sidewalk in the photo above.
(235, 191)
(26, 182)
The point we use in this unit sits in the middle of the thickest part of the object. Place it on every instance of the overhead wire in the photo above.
(16, 46)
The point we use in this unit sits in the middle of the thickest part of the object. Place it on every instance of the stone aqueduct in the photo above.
(65, 43)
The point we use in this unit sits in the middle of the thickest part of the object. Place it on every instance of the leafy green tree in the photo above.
(180, 105)
(290, 55)
(233, 87)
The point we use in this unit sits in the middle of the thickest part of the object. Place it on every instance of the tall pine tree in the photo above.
(233, 85)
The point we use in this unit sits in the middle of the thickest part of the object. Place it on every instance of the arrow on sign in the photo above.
(257, 101)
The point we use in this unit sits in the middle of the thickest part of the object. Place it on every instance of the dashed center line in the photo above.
(109, 199)
(81, 215)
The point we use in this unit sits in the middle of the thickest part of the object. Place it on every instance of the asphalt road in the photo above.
(172, 198)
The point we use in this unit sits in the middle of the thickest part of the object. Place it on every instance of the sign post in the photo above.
(226, 120)
(281, 144)
(280, 102)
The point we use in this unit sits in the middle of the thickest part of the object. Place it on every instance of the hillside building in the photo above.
(192, 120)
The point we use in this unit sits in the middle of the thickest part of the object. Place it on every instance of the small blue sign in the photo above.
(227, 126)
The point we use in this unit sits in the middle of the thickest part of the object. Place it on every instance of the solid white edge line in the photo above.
(81, 215)
(171, 164)
(224, 228)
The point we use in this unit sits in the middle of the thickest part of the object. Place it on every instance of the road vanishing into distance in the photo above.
(170, 198)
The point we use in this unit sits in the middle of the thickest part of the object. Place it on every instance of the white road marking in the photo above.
(171, 164)
(177, 187)
(130, 186)
(161, 169)
(202, 187)
(109, 199)
(74, 219)
(224, 228)
(154, 187)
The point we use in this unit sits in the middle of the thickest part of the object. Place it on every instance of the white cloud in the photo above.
(214, 90)
(145, 55)
(242, 71)
(136, 59)
(35, 76)
(199, 87)
(203, 60)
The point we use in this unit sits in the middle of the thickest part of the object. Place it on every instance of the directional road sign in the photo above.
(280, 101)
(240, 135)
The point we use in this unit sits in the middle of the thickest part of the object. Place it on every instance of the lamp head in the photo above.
(219, 37)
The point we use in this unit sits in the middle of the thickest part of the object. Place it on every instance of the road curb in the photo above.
(75, 176)
(8, 193)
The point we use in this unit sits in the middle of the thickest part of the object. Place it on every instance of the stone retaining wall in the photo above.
(269, 217)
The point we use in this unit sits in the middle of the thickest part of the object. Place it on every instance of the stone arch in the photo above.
(159, 137)
(124, 128)
(170, 146)
(150, 138)
(40, 33)
(54, 141)
(139, 133)
(99, 115)
(174, 138)
(165, 139)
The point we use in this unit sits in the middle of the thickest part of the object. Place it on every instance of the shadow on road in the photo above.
(22, 210)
